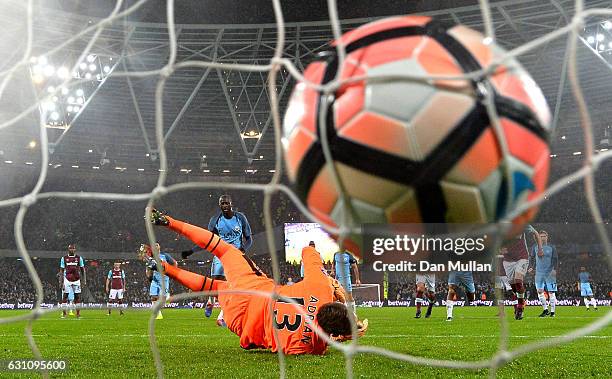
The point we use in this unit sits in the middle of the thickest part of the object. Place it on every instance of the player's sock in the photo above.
(520, 294)
(221, 320)
(191, 280)
(418, 300)
(432, 299)
(429, 308)
(108, 305)
(120, 307)
(449, 308)
(542, 298)
(552, 298)
(594, 303)
(514, 297)
(586, 303)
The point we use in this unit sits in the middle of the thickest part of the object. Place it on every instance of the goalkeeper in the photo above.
(248, 316)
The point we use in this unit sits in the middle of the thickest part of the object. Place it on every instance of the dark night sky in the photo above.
(257, 11)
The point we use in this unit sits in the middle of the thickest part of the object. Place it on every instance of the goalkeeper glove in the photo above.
(144, 251)
(158, 218)
(339, 293)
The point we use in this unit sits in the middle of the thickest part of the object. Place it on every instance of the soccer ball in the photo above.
(417, 151)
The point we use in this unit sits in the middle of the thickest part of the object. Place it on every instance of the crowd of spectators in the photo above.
(118, 226)
(16, 285)
(570, 205)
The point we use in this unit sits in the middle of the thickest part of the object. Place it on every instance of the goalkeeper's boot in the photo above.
(208, 309)
(544, 313)
(428, 313)
(552, 314)
(158, 218)
(159, 316)
(418, 314)
(449, 319)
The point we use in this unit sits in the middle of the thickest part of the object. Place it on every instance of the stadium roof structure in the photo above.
(218, 121)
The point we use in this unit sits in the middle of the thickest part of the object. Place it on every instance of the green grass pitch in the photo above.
(193, 346)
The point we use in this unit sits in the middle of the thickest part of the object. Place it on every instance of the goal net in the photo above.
(97, 35)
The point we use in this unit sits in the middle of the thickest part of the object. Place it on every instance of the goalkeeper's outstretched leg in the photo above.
(188, 279)
(235, 263)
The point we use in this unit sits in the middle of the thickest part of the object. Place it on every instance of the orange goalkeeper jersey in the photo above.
(295, 331)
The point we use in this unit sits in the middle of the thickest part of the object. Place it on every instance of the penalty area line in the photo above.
(471, 336)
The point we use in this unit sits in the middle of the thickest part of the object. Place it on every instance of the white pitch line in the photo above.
(231, 335)
(468, 336)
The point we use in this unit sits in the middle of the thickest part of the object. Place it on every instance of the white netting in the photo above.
(503, 355)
